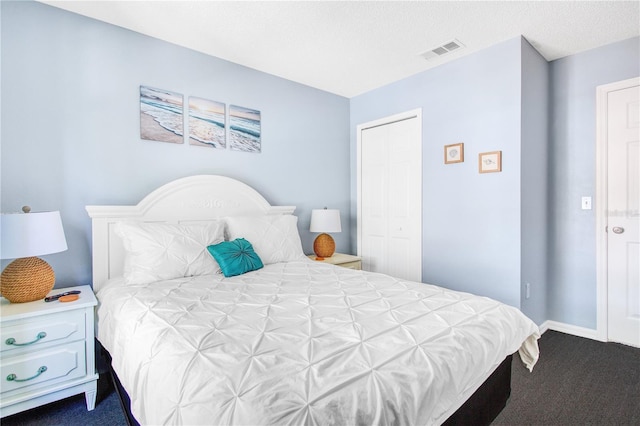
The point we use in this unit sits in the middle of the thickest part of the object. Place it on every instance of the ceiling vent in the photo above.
(442, 50)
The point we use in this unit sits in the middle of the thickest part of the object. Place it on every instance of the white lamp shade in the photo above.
(31, 234)
(325, 220)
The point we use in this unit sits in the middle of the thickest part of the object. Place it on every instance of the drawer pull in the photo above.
(13, 378)
(12, 341)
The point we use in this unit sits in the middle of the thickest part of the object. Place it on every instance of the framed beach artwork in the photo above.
(244, 129)
(161, 115)
(490, 162)
(206, 123)
(454, 153)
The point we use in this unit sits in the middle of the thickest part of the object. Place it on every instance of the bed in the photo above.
(293, 341)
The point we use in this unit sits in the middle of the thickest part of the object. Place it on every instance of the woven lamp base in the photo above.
(26, 279)
(324, 246)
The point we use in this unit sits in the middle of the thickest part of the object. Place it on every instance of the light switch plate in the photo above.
(586, 203)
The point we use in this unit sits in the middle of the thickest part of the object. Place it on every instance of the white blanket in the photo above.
(304, 343)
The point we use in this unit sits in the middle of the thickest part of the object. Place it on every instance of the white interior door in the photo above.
(390, 196)
(623, 208)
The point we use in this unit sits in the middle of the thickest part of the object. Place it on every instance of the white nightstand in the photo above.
(340, 259)
(47, 351)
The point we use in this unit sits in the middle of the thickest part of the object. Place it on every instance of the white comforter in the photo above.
(304, 343)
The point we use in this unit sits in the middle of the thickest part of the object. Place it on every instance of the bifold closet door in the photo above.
(391, 199)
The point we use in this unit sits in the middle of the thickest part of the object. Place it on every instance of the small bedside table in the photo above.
(340, 259)
(47, 351)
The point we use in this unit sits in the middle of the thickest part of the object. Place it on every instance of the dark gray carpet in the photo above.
(576, 382)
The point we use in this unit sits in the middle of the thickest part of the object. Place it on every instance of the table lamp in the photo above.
(324, 220)
(23, 236)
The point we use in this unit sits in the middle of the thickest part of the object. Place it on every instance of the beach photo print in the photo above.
(244, 129)
(161, 115)
(206, 123)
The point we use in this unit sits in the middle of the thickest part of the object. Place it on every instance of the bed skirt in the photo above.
(479, 410)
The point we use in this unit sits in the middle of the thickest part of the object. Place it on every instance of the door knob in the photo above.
(618, 229)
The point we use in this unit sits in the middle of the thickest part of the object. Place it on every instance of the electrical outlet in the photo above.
(527, 290)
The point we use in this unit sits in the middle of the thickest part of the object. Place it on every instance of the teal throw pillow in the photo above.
(235, 257)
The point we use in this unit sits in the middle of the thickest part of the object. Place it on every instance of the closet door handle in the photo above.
(618, 229)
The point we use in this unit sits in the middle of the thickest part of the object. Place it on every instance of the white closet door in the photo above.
(390, 210)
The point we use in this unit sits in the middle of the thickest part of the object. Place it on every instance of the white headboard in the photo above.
(194, 198)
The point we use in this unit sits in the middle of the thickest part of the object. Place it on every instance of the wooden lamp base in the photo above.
(324, 246)
(26, 279)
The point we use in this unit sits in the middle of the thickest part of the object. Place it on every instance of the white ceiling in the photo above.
(350, 47)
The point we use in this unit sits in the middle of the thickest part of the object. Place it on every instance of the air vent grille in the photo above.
(452, 45)
(443, 49)
(440, 51)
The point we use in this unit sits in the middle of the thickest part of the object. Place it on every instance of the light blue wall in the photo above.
(70, 126)
(572, 274)
(489, 236)
(534, 182)
(471, 221)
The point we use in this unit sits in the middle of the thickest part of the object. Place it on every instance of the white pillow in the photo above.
(274, 238)
(161, 251)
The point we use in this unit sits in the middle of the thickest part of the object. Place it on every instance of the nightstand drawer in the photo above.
(341, 259)
(352, 265)
(44, 367)
(43, 331)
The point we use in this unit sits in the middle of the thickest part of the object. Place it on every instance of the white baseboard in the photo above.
(570, 329)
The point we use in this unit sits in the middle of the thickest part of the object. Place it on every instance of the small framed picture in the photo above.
(454, 153)
(490, 162)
